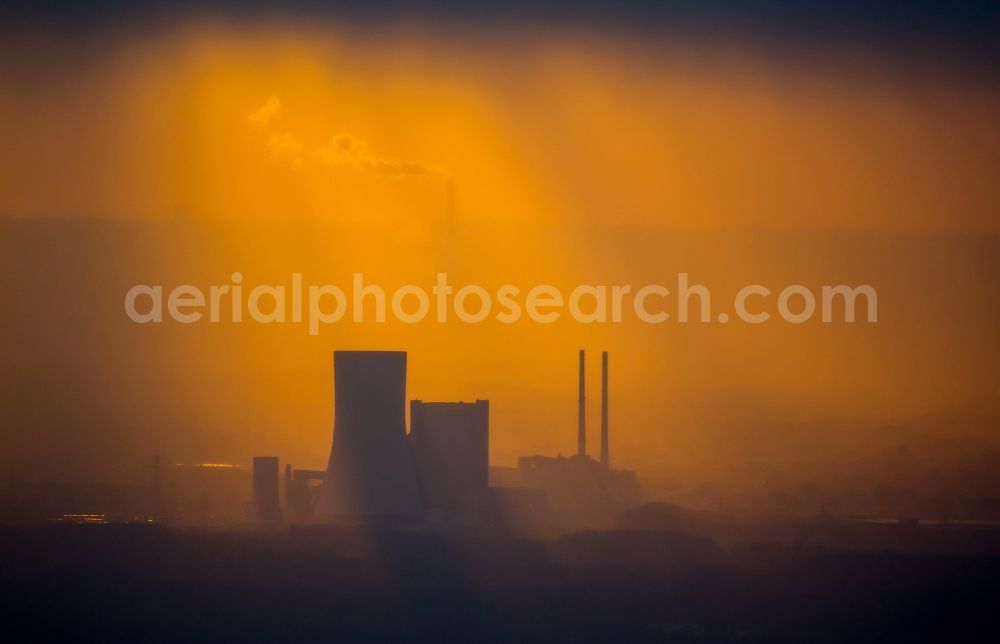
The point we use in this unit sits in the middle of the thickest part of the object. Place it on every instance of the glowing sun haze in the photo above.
(237, 123)
(566, 159)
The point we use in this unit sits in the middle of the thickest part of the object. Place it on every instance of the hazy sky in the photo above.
(782, 148)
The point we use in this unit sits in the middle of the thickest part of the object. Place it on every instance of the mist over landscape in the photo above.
(788, 432)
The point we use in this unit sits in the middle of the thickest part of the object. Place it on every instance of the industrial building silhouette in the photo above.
(451, 448)
(371, 473)
(265, 487)
(438, 473)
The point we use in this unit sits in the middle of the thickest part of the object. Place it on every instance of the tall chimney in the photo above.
(605, 460)
(581, 433)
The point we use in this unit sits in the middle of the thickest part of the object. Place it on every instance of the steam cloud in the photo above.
(263, 115)
(344, 149)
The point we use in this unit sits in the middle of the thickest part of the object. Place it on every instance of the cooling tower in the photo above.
(371, 473)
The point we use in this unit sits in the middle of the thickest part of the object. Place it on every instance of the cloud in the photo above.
(285, 146)
(263, 115)
(346, 149)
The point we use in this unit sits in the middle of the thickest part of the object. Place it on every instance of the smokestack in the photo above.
(605, 459)
(581, 434)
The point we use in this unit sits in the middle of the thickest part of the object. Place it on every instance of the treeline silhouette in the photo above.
(151, 583)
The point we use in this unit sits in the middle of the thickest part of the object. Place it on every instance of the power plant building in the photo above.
(451, 446)
(440, 471)
(302, 487)
(581, 491)
(265, 488)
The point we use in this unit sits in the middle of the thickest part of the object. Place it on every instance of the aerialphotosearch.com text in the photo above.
(318, 305)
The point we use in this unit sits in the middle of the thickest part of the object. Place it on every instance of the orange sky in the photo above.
(147, 127)
(574, 160)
